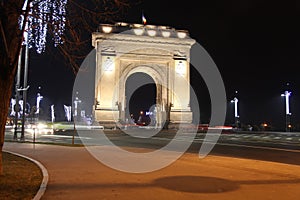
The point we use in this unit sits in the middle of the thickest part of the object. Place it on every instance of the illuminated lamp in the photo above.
(108, 64)
(107, 28)
(162, 27)
(138, 31)
(180, 68)
(151, 32)
(235, 101)
(138, 25)
(287, 95)
(150, 26)
(166, 33)
(181, 34)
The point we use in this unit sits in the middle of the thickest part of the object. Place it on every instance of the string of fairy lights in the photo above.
(43, 15)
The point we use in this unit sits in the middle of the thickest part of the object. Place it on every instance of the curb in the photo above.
(44, 183)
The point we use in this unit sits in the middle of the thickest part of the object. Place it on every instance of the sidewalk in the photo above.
(75, 174)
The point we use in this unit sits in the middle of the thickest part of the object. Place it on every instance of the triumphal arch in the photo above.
(161, 52)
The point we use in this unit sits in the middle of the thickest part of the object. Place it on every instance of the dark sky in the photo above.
(254, 43)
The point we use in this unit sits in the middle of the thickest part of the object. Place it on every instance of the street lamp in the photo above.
(287, 95)
(39, 97)
(236, 115)
(77, 101)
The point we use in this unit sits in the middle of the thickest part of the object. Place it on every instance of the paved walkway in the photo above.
(75, 174)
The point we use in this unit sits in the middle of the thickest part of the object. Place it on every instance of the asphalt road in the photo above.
(268, 146)
(224, 174)
(75, 174)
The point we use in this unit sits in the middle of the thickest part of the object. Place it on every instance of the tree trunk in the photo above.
(6, 81)
(10, 44)
(5, 94)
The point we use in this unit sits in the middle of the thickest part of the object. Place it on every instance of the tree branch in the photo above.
(4, 38)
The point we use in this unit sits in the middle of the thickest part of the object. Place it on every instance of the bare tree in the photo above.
(67, 22)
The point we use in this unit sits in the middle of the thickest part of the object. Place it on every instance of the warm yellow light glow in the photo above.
(138, 31)
(181, 34)
(138, 25)
(150, 26)
(163, 27)
(108, 64)
(151, 32)
(180, 67)
(166, 33)
(122, 24)
(41, 126)
(106, 29)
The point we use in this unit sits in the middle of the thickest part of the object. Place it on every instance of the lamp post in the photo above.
(17, 89)
(236, 115)
(25, 91)
(75, 116)
(39, 97)
(287, 95)
(77, 101)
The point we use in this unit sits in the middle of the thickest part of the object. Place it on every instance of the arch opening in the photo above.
(141, 95)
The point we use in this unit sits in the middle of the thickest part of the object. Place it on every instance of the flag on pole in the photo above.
(144, 18)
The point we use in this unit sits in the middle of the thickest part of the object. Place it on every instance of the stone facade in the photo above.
(161, 52)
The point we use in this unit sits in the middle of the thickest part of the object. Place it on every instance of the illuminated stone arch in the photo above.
(121, 52)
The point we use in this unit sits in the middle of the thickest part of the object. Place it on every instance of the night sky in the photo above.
(255, 45)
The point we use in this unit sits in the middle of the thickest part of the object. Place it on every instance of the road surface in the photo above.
(247, 167)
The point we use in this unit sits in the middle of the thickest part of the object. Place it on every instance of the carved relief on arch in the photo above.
(108, 50)
(136, 50)
(180, 54)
